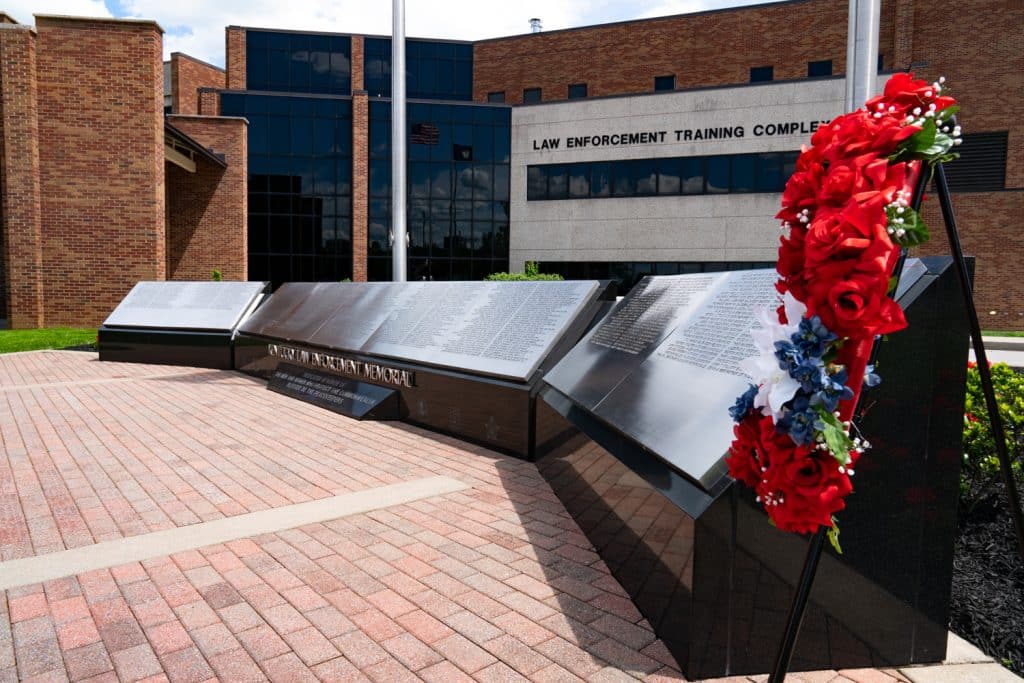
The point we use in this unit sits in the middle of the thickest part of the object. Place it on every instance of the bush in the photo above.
(981, 473)
(531, 273)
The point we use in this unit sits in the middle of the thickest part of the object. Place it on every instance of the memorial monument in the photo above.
(463, 358)
(179, 323)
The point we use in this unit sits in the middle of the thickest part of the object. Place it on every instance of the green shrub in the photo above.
(531, 273)
(216, 275)
(981, 470)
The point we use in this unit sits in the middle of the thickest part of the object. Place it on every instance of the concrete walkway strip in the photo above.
(30, 570)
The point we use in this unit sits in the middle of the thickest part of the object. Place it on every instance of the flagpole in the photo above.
(398, 140)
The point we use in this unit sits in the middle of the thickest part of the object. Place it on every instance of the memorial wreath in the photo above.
(846, 214)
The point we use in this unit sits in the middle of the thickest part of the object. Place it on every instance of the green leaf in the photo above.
(833, 536)
(915, 231)
(835, 437)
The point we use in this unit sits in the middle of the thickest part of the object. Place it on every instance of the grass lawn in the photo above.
(1001, 333)
(47, 338)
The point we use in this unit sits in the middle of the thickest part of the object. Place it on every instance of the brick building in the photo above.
(98, 189)
(485, 193)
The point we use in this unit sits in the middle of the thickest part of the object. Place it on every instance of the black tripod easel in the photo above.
(817, 542)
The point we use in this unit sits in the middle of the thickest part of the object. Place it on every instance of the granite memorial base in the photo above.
(715, 580)
(178, 323)
(462, 358)
(166, 347)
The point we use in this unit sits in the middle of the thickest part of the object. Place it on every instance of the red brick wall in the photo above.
(209, 102)
(188, 75)
(101, 163)
(206, 210)
(360, 206)
(21, 292)
(7, 19)
(703, 49)
(234, 57)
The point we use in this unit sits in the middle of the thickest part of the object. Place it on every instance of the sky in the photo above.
(196, 27)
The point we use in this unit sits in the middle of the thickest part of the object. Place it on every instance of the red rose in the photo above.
(747, 453)
(903, 94)
(852, 297)
(804, 489)
(791, 263)
(801, 190)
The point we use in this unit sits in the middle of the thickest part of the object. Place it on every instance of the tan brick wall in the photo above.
(704, 49)
(21, 293)
(360, 190)
(988, 233)
(207, 210)
(188, 75)
(101, 163)
(209, 102)
(234, 57)
(357, 63)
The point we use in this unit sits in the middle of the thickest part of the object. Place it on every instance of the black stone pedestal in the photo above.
(716, 588)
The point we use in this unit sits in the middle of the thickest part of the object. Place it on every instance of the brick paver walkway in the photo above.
(492, 583)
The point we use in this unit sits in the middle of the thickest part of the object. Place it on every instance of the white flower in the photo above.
(775, 386)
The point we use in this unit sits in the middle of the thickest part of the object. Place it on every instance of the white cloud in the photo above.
(196, 27)
(24, 10)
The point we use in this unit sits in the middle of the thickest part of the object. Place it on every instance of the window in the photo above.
(761, 74)
(531, 95)
(819, 68)
(577, 91)
(719, 174)
(665, 82)
(496, 97)
(982, 164)
(881, 63)
(298, 62)
(435, 70)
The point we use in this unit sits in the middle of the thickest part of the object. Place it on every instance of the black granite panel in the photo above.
(166, 347)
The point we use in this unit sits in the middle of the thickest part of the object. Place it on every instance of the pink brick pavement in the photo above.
(494, 583)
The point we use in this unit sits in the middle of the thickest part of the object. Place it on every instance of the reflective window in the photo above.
(531, 95)
(298, 62)
(496, 97)
(820, 68)
(435, 70)
(665, 82)
(577, 91)
(760, 74)
(458, 174)
(300, 187)
(738, 173)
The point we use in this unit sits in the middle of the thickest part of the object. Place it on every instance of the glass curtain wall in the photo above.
(300, 155)
(458, 190)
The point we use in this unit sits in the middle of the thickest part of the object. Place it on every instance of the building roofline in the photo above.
(677, 91)
(106, 20)
(198, 61)
(623, 22)
(346, 35)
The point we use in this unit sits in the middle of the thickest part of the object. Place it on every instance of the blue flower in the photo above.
(799, 422)
(744, 404)
(811, 374)
(812, 337)
(788, 355)
(833, 391)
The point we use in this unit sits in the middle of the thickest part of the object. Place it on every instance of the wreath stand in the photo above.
(817, 542)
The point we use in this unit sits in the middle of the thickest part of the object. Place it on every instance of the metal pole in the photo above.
(796, 610)
(996, 420)
(398, 139)
(862, 52)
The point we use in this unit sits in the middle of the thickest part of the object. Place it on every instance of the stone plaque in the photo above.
(663, 366)
(172, 304)
(499, 329)
(339, 394)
